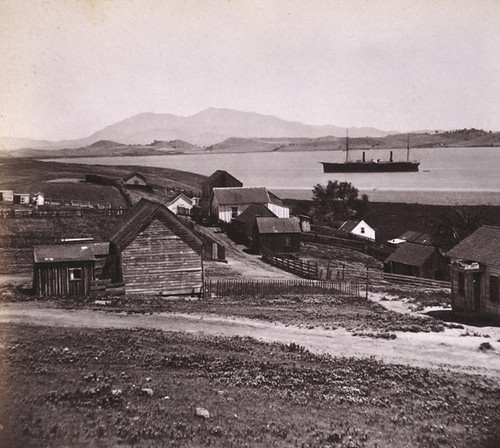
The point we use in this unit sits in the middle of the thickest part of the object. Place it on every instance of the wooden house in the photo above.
(358, 228)
(136, 180)
(279, 235)
(417, 260)
(475, 273)
(6, 196)
(67, 269)
(21, 198)
(219, 179)
(305, 223)
(180, 204)
(241, 229)
(153, 252)
(228, 203)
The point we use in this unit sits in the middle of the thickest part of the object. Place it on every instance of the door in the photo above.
(476, 285)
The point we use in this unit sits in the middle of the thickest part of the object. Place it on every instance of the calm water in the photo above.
(446, 176)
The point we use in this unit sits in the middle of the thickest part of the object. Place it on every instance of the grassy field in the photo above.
(142, 388)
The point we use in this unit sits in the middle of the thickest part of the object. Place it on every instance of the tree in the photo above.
(452, 226)
(337, 201)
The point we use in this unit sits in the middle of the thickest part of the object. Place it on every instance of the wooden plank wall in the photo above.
(52, 279)
(161, 263)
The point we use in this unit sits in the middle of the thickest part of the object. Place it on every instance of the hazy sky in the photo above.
(72, 67)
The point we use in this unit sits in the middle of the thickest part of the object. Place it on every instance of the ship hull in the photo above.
(370, 167)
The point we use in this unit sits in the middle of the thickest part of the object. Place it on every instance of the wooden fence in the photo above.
(291, 264)
(415, 281)
(260, 288)
(14, 213)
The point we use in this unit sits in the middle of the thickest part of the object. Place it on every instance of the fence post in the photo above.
(367, 280)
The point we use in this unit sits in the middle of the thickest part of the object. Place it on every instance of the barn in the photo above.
(279, 235)
(136, 180)
(475, 273)
(63, 270)
(153, 252)
(417, 260)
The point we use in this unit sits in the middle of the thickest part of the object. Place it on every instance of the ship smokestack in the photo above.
(363, 156)
(390, 159)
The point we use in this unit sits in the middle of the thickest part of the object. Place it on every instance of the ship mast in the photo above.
(346, 145)
(407, 147)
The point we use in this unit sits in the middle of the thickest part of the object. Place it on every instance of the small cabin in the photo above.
(219, 179)
(229, 203)
(279, 235)
(63, 270)
(180, 204)
(358, 228)
(152, 252)
(21, 199)
(475, 273)
(6, 196)
(135, 180)
(417, 260)
(241, 229)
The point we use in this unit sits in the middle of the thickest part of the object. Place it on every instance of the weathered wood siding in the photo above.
(53, 279)
(159, 262)
(490, 308)
(279, 210)
(277, 243)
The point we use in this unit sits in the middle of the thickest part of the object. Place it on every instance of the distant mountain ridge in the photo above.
(208, 127)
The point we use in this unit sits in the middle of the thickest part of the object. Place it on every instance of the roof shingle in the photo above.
(412, 254)
(241, 195)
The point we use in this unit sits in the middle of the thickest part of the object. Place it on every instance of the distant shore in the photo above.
(431, 197)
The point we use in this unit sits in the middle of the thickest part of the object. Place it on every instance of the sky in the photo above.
(71, 67)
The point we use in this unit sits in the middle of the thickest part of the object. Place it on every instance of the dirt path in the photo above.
(433, 350)
(239, 264)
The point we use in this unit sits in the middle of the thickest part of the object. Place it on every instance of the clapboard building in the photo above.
(279, 235)
(153, 252)
(475, 273)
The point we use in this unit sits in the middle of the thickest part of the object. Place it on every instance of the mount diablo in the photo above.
(208, 127)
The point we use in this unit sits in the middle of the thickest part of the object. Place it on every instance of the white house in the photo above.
(358, 228)
(180, 203)
(39, 199)
(228, 203)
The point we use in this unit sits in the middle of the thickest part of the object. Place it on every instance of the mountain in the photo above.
(207, 127)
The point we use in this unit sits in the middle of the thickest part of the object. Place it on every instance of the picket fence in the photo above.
(292, 264)
(262, 288)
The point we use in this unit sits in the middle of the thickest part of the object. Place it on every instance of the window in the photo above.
(362, 230)
(494, 288)
(234, 212)
(461, 283)
(288, 242)
(75, 274)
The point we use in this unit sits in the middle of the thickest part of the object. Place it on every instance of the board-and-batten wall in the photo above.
(225, 212)
(53, 279)
(159, 262)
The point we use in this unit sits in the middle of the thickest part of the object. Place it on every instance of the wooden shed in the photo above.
(153, 252)
(7, 196)
(136, 180)
(228, 203)
(67, 269)
(475, 273)
(218, 179)
(417, 260)
(279, 235)
(241, 229)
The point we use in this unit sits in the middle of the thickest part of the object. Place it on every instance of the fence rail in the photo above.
(259, 288)
(14, 213)
(415, 281)
(290, 264)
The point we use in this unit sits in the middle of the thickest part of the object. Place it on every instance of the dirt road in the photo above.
(433, 350)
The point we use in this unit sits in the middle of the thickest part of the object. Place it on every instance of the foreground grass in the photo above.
(79, 387)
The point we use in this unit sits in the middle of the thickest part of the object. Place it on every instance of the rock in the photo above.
(147, 391)
(116, 392)
(202, 412)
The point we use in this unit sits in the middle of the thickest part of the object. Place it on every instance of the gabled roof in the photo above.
(180, 196)
(241, 195)
(349, 225)
(275, 199)
(221, 177)
(482, 246)
(56, 253)
(278, 225)
(252, 211)
(140, 176)
(412, 236)
(411, 254)
(139, 217)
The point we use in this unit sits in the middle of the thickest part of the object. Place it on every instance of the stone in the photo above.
(202, 412)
